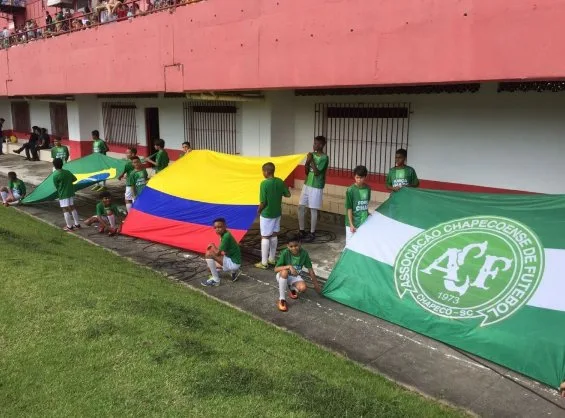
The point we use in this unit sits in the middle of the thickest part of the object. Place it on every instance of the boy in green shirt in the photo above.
(401, 175)
(271, 192)
(227, 257)
(185, 149)
(357, 199)
(316, 166)
(60, 151)
(131, 153)
(137, 179)
(64, 183)
(98, 147)
(161, 160)
(288, 268)
(15, 191)
(106, 215)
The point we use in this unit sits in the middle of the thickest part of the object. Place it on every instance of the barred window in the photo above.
(211, 125)
(119, 123)
(362, 134)
(20, 117)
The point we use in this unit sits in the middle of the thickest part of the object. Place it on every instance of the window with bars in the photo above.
(59, 121)
(20, 117)
(119, 123)
(211, 125)
(362, 134)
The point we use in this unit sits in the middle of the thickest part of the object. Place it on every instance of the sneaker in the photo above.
(210, 283)
(261, 266)
(235, 275)
(67, 229)
(17, 151)
(272, 263)
(292, 293)
(76, 226)
(310, 237)
(302, 234)
(282, 305)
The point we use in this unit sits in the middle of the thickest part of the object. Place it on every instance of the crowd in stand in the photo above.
(66, 21)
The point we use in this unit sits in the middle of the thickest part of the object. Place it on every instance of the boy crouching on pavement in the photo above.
(227, 257)
(288, 267)
(106, 215)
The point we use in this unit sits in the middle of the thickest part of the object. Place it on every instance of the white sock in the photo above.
(68, 219)
(75, 217)
(282, 288)
(301, 218)
(128, 207)
(4, 196)
(313, 220)
(264, 250)
(273, 247)
(112, 220)
(213, 269)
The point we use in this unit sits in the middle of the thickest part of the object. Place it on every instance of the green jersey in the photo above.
(63, 181)
(401, 177)
(161, 160)
(321, 161)
(128, 168)
(230, 247)
(357, 199)
(99, 146)
(138, 180)
(102, 210)
(298, 261)
(271, 193)
(17, 187)
(61, 152)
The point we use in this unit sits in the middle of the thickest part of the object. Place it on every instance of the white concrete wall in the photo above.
(39, 114)
(6, 113)
(504, 140)
(282, 122)
(256, 128)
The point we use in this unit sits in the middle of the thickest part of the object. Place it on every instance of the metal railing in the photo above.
(106, 13)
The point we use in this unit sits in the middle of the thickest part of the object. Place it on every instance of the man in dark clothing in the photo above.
(44, 139)
(31, 145)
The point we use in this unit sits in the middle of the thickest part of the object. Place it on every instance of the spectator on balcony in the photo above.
(135, 9)
(30, 28)
(59, 21)
(86, 18)
(121, 12)
(48, 21)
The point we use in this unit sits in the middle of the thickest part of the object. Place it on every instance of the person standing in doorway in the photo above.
(401, 175)
(316, 166)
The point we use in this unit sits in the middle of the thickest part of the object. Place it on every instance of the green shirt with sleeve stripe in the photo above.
(357, 199)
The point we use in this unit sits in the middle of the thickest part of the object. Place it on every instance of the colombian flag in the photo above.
(179, 204)
(88, 171)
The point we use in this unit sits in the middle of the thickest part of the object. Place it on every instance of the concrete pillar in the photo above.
(83, 116)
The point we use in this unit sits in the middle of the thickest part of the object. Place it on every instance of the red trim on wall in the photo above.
(377, 183)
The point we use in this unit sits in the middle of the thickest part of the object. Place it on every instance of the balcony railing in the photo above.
(108, 12)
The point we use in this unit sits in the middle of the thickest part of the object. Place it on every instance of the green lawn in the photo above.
(85, 333)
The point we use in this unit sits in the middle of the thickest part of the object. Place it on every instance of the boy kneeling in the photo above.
(106, 215)
(15, 191)
(227, 257)
(288, 268)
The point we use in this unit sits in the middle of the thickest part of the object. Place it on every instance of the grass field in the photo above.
(84, 332)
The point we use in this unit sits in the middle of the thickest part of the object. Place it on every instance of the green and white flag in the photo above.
(481, 272)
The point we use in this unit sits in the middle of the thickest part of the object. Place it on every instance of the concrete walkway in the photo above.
(406, 357)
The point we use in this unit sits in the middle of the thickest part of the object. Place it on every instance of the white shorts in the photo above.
(229, 265)
(269, 225)
(67, 202)
(129, 193)
(348, 235)
(16, 195)
(311, 197)
(291, 279)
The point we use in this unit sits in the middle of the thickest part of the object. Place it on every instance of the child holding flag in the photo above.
(227, 256)
(64, 183)
(131, 153)
(137, 179)
(59, 151)
(271, 192)
(316, 166)
(357, 199)
(15, 191)
(161, 160)
(401, 175)
(98, 147)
